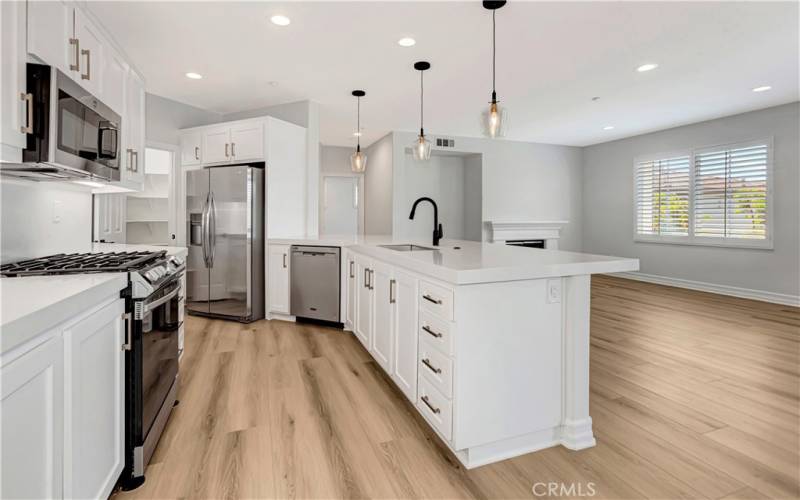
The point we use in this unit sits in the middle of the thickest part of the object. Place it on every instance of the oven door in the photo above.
(159, 322)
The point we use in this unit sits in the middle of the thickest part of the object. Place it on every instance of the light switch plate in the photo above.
(553, 291)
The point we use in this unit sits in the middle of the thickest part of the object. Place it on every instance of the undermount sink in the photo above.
(405, 248)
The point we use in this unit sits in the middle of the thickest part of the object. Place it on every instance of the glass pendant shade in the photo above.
(494, 121)
(421, 149)
(358, 161)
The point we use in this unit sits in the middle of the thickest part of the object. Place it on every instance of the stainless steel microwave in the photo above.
(70, 133)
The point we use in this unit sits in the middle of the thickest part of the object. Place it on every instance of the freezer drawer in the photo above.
(315, 282)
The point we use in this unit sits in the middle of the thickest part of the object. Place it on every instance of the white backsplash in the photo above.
(40, 218)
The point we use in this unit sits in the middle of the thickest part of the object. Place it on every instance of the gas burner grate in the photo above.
(78, 263)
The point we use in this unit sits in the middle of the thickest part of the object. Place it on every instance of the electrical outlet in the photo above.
(553, 291)
(57, 208)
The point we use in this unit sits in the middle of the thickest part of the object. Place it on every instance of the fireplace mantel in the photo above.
(550, 231)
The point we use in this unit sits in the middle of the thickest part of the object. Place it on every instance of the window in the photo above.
(710, 196)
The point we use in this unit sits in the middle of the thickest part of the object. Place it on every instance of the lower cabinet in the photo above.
(278, 278)
(404, 327)
(364, 302)
(63, 410)
(383, 296)
(350, 306)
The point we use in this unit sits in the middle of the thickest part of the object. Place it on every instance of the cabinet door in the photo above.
(279, 279)
(382, 334)
(352, 287)
(95, 424)
(115, 79)
(90, 74)
(133, 156)
(191, 148)
(13, 105)
(31, 463)
(111, 220)
(363, 293)
(50, 28)
(247, 142)
(404, 323)
(216, 145)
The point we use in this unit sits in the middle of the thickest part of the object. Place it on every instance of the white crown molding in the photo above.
(733, 291)
(550, 231)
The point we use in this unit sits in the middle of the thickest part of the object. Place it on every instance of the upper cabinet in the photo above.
(234, 142)
(191, 148)
(91, 49)
(15, 105)
(133, 133)
(51, 35)
(247, 141)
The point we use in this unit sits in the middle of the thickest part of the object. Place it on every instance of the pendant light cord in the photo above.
(358, 122)
(494, 51)
(421, 102)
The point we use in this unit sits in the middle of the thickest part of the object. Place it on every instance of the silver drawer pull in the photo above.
(431, 332)
(431, 299)
(28, 127)
(77, 44)
(429, 405)
(352, 272)
(196, 153)
(88, 54)
(427, 362)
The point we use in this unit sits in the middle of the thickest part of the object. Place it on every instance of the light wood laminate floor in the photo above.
(693, 395)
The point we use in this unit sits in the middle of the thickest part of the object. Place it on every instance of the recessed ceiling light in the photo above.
(272, 83)
(194, 76)
(406, 42)
(280, 20)
(356, 134)
(595, 98)
(646, 67)
(763, 88)
(608, 127)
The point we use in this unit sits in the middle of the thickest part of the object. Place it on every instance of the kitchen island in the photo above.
(490, 343)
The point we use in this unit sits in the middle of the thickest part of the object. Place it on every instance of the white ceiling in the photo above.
(553, 57)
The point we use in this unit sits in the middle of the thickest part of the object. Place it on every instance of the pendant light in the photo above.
(358, 160)
(421, 147)
(494, 119)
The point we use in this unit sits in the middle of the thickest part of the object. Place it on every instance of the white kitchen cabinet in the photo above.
(32, 463)
(115, 80)
(247, 141)
(191, 148)
(217, 144)
(15, 104)
(404, 326)
(278, 278)
(364, 302)
(134, 132)
(92, 47)
(350, 306)
(95, 390)
(383, 312)
(50, 35)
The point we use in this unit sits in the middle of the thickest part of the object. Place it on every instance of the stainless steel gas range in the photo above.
(153, 321)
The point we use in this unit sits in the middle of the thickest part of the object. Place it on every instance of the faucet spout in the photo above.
(438, 232)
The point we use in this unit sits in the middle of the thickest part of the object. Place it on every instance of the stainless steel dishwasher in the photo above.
(315, 282)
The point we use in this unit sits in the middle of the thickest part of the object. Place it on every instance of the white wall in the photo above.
(292, 112)
(335, 160)
(520, 181)
(27, 225)
(608, 204)
(378, 187)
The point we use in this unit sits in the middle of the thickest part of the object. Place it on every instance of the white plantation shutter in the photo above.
(730, 192)
(662, 197)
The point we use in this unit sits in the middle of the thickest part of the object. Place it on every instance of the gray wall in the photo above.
(520, 181)
(608, 204)
(292, 112)
(378, 187)
(166, 117)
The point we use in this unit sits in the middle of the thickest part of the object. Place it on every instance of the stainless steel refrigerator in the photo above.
(225, 218)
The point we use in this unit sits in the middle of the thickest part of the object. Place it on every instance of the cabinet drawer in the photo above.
(435, 299)
(437, 409)
(437, 331)
(436, 367)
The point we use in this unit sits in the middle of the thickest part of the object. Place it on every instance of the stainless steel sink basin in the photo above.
(405, 248)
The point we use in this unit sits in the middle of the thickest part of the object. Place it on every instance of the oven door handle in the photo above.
(152, 305)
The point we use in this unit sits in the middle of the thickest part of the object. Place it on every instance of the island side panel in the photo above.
(508, 378)
(577, 426)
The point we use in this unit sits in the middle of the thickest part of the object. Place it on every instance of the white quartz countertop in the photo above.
(31, 305)
(468, 262)
(124, 247)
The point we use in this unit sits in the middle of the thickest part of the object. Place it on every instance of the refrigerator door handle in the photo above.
(212, 237)
(204, 229)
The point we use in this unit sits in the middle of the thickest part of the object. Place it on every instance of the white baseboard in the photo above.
(745, 293)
